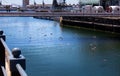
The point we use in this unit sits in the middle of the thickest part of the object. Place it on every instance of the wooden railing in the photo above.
(12, 62)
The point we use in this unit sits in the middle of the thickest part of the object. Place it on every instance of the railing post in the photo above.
(2, 52)
(2, 57)
(2, 35)
(16, 59)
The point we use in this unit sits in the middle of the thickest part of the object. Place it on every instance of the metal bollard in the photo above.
(1, 32)
(16, 52)
(2, 35)
(16, 59)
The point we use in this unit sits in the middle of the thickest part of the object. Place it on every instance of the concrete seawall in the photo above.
(48, 18)
(110, 24)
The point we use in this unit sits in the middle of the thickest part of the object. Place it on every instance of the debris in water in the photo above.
(60, 38)
(94, 37)
(45, 35)
(51, 33)
(93, 48)
(91, 44)
(104, 59)
(30, 37)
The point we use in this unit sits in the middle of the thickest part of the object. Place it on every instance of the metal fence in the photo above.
(12, 62)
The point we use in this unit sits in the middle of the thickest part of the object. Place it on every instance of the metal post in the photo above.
(17, 59)
(2, 50)
(2, 53)
(2, 35)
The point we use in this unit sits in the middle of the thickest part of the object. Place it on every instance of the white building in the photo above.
(114, 9)
(98, 9)
(87, 9)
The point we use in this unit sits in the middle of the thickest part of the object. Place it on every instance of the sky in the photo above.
(19, 2)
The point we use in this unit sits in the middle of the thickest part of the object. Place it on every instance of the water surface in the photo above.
(54, 50)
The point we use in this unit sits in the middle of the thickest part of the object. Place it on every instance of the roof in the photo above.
(89, 1)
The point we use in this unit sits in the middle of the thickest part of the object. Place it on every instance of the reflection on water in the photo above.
(52, 50)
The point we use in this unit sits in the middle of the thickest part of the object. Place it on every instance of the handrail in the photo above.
(4, 71)
(21, 70)
(6, 48)
(16, 62)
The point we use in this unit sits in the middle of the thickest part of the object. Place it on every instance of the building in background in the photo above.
(61, 2)
(106, 3)
(54, 4)
(25, 3)
(114, 2)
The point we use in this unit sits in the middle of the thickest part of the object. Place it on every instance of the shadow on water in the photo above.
(94, 33)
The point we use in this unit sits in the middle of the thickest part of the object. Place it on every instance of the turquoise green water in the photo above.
(52, 50)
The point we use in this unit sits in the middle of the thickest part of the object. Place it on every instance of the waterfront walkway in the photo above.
(57, 14)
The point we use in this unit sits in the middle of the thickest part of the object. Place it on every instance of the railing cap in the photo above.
(16, 52)
(1, 32)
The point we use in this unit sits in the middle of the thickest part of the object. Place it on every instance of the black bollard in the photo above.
(16, 59)
(1, 32)
(16, 52)
(2, 35)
